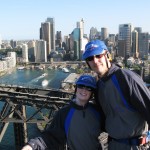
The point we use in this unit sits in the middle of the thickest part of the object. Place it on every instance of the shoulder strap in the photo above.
(68, 120)
(116, 83)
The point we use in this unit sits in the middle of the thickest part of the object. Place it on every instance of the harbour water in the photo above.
(30, 78)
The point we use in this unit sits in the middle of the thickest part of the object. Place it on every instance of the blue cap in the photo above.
(94, 47)
(87, 80)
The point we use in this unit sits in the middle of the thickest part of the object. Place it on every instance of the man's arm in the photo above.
(135, 92)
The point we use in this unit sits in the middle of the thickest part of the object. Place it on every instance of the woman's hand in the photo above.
(27, 147)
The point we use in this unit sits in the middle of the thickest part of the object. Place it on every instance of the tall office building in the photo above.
(13, 56)
(0, 41)
(7, 63)
(143, 44)
(93, 33)
(104, 34)
(41, 52)
(12, 43)
(135, 48)
(31, 51)
(45, 35)
(138, 29)
(125, 34)
(66, 41)
(83, 39)
(52, 32)
(80, 26)
(75, 43)
(77, 40)
(112, 38)
(58, 39)
(121, 51)
(25, 53)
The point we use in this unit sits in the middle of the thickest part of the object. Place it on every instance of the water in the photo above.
(31, 78)
(34, 78)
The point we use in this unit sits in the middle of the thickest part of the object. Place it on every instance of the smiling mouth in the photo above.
(83, 94)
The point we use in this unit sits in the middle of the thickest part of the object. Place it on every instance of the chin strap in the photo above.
(106, 60)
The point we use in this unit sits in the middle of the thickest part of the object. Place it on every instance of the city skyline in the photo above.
(22, 19)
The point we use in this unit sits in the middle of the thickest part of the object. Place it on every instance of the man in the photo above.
(124, 98)
(78, 124)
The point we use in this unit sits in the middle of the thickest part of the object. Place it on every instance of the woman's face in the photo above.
(83, 94)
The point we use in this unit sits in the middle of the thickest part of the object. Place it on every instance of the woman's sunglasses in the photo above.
(85, 87)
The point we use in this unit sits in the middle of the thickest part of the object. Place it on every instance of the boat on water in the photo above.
(65, 70)
(44, 74)
(21, 68)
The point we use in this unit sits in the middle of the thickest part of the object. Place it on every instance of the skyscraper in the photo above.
(45, 35)
(121, 48)
(31, 50)
(125, 34)
(52, 32)
(0, 41)
(80, 26)
(138, 29)
(83, 40)
(58, 39)
(12, 43)
(66, 43)
(112, 38)
(135, 48)
(75, 43)
(93, 33)
(104, 34)
(13, 56)
(41, 53)
(143, 44)
(25, 53)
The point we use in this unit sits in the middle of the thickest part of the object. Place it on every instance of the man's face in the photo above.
(98, 64)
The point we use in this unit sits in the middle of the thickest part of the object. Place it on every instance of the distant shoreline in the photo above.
(8, 71)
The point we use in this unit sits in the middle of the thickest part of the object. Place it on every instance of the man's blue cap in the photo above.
(94, 47)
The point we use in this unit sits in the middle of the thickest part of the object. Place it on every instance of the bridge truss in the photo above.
(15, 103)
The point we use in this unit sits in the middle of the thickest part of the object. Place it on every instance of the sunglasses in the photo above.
(85, 87)
(91, 58)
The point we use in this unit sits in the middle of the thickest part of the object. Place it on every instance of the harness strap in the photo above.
(132, 141)
(138, 141)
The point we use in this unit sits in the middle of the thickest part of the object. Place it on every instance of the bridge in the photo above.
(52, 63)
(16, 99)
(15, 102)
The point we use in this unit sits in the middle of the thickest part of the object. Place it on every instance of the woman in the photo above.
(77, 124)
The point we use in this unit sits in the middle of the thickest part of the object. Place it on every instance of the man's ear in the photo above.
(109, 56)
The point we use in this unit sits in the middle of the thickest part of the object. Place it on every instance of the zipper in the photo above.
(83, 112)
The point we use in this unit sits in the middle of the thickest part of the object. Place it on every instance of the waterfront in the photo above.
(29, 78)
(34, 77)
